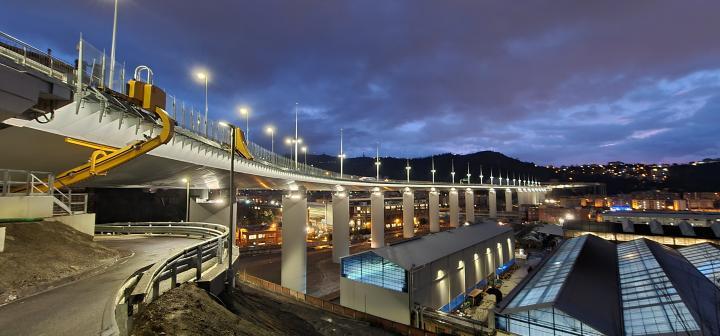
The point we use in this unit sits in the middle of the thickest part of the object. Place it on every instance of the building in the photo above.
(590, 286)
(664, 217)
(683, 234)
(435, 271)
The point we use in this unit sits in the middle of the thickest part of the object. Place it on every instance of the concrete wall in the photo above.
(84, 223)
(378, 301)
(209, 212)
(26, 206)
(446, 278)
(2, 239)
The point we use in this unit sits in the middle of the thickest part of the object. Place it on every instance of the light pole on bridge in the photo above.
(231, 235)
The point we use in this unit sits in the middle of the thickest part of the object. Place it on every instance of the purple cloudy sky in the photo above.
(554, 82)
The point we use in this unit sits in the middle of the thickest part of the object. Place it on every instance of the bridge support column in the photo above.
(454, 208)
(434, 210)
(469, 206)
(408, 213)
(340, 224)
(521, 197)
(508, 200)
(377, 218)
(294, 241)
(542, 195)
(534, 196)
(492, 203)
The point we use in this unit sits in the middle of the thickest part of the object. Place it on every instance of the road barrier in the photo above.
(373, 320)
(149, 282)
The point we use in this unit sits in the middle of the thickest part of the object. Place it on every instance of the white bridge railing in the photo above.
(149, 282)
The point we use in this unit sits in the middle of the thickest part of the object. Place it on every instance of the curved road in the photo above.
(78, 308)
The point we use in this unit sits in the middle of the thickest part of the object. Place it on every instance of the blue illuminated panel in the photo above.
(372, 269)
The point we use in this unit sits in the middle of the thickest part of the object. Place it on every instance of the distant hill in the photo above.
(394, 168)
(682, 177)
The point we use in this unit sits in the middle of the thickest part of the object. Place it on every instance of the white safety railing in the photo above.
(31, 57)
(35, 183)
(149, 283)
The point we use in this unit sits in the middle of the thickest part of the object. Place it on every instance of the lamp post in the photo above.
(342, 154)
(245, 112)
(407, 170)
(452, 172)
(112, 47)
(481, 175)
(432, 170)
(296, 135)
(187, 198)
(304, 150)
(204, 77)
(271, 131)
(377, 163)
(231, 234)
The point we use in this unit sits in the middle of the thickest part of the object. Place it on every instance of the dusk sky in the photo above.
(553, 82)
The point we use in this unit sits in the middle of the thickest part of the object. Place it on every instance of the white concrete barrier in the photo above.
(26, 207)
(2, 239)
(84, 223)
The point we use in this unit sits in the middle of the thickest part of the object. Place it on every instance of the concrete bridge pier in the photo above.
(508, 200)
(492, 203)
(469, 206)
(377, 218)
(408, 213)
(434, 210)
(454, 208)
(294, 240)
(340, 224)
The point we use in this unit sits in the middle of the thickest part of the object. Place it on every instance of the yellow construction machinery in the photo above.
(105, 158)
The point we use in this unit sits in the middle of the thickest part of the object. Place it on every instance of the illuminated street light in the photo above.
(112, 47)
(432, 170)
(377, 163)
(230, 274)
(246, 113)
(304, 150)
(204, 77)
(271, 130)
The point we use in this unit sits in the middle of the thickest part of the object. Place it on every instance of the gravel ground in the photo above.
(41, 255)
(188, 310)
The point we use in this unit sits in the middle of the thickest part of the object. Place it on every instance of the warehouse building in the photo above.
(435, 271)
(590, 286)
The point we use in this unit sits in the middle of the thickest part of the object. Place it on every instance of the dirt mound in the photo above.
(188, 310)
(39, 255)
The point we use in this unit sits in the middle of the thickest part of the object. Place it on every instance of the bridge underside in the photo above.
(24, 148)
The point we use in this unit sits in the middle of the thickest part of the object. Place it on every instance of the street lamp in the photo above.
(231, 234)
(187, 198)
(112, 47)
(204, 77)
(304, 150)
(432, 170)
(271, 130)
(407, 170)
(452, 172)
(377, 163)
(342, 154)
(245, 112)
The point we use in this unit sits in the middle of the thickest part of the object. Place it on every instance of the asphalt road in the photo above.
(78, 308)
(323, 275)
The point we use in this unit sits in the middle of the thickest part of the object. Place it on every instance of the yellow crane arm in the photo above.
(241, 145)
(105, 158)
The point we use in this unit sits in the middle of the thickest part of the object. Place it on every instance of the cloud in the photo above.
(471, 75)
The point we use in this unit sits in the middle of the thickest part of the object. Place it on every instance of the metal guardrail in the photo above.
(27, 55)
(185, 266)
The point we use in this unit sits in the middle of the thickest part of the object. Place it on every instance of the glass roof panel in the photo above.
(706, 258)
(545, 285)
(650, 303)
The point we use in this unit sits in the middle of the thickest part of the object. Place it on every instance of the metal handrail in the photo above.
(145, 285)
(35, 58)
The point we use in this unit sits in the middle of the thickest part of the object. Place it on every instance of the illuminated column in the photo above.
(522, 199)
(434, 210)
(408, 213)
(340, 223)
(377, 218)
(534, 195)
(492, 203)
(294, 241)
(508, 200)
(454, 209)
(469, 206)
